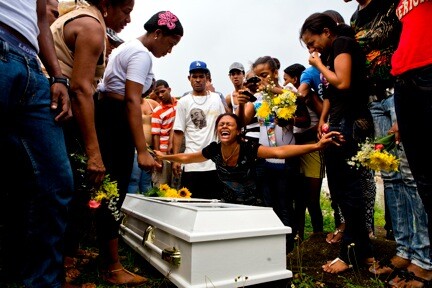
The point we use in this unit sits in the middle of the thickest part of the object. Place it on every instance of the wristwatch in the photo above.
(62, 80)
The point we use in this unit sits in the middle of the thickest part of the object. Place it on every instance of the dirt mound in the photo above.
(306, 261)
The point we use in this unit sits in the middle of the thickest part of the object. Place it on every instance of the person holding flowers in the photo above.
(119, 123)
(341, 61)
(377, 31)
(236, 158)
(275, 110)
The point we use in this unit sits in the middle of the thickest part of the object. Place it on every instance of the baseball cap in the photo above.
(113, 37)
(236, 66)
(198, 65)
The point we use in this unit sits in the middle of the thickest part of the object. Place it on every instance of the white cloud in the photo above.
(220, 32)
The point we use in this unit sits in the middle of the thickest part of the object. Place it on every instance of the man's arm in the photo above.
(177, 142)
(47, 54)
(245, 110)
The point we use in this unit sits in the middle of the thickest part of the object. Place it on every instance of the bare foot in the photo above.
(120, 276)
(336, 266)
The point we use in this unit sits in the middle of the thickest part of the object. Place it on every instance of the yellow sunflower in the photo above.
(184, 193)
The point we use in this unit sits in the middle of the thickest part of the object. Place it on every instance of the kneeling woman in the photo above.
(235, 158)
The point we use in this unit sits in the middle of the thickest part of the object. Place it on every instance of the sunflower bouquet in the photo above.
(164, 190)
(376, 155)
(281, 106)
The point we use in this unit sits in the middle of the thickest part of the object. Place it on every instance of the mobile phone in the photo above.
(253, 80)
(252, 97)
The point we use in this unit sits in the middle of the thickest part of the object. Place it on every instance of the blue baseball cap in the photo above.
(198, 65)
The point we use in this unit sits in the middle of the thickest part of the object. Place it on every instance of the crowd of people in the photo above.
(70, 85)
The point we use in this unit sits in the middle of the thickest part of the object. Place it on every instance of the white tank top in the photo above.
(234, 106)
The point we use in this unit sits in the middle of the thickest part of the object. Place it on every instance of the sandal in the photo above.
(335, 237)
(385, 266)
(112, 277)
(339, 266)
(406, 276)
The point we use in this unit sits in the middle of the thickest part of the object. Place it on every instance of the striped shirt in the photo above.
(162, 122)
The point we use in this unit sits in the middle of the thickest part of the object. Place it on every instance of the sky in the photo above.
(220, 32)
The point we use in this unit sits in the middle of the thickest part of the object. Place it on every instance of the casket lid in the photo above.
(196, 220)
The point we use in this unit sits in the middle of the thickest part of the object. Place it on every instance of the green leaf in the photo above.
(388, 141)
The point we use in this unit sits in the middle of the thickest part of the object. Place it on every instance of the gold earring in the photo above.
(155, 37)
(105, 14)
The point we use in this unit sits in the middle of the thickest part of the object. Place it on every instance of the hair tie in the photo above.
(167, 18)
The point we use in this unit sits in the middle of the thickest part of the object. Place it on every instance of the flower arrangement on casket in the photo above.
(376, 155)
(105, 194)
(281, 106)
(164, 190)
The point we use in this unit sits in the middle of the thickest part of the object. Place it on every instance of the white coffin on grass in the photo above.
(198, 243)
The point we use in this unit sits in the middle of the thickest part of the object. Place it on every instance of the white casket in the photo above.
(199, 243)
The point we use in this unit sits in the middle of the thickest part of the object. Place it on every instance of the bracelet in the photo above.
(61, 80)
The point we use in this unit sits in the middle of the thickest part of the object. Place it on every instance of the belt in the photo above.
(7, 35)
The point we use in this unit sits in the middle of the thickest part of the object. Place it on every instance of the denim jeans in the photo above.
(413, 105)
(36, 177)
(140, 180)
(408, 217)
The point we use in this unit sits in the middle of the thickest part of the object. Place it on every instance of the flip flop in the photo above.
(406, 276)
(337, 234)
(336, 262)
(385, 266)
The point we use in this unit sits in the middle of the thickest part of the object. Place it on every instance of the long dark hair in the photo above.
(317, 22)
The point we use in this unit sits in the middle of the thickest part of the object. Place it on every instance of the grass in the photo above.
(328, 220)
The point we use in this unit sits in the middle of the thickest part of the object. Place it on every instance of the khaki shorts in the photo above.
(312, 164)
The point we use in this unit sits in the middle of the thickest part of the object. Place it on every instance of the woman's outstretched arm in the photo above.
(286, 151)
(184, 158)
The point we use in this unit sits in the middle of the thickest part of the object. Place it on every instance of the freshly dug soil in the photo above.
(307, 259)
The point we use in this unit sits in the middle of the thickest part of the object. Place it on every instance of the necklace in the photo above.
(197, 103)
(226, 159)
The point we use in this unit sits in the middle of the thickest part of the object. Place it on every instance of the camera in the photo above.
(252, 97)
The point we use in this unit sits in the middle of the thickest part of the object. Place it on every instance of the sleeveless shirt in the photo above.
(64, 54)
